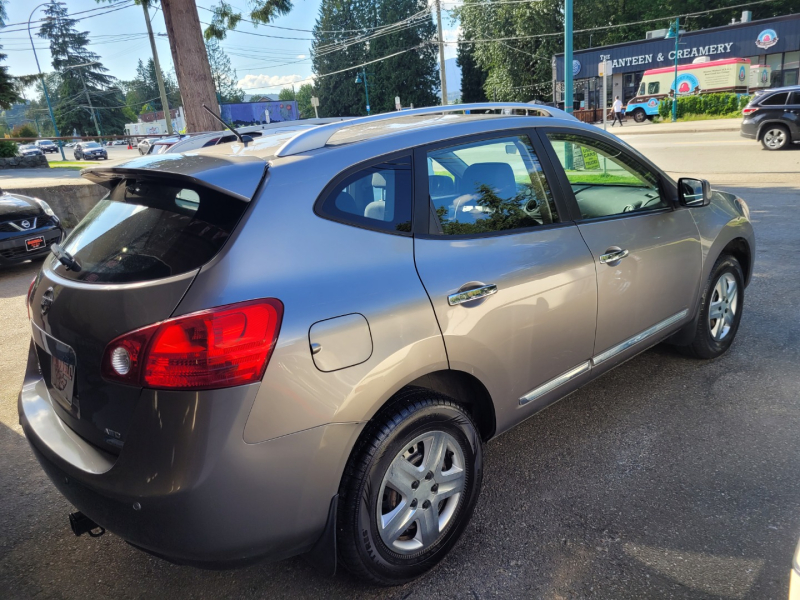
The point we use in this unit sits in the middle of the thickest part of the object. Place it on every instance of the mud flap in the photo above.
(323, 555)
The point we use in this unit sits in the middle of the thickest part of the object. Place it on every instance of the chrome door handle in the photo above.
(613, 255)
(463, 296)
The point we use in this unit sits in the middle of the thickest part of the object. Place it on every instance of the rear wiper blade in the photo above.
(65, 258)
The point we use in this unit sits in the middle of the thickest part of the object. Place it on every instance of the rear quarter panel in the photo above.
(321, 269)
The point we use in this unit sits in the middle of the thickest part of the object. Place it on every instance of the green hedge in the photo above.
(8, 149)
(704, 104)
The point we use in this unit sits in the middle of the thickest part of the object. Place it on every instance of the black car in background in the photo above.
(46, 146)
(773, 117)
(27, 228)
(89, 151)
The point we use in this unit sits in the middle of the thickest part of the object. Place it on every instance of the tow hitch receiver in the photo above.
(81, 524)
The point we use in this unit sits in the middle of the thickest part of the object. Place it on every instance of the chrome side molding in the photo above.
(614, 350)
(549, 386)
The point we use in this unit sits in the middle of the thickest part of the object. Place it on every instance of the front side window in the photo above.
(488, 186)
(605, 180)
(652, 87)
(376, 197)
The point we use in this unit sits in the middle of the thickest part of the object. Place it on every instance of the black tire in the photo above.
(775, 137)
(705, 345)
(414, 412)
(639, 115)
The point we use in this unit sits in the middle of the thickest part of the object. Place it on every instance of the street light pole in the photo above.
(676, 34)
(366, 88)
(675, 95)
(568, 56)
(44, 85)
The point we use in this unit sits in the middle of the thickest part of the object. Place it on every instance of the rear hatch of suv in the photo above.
(138, 252)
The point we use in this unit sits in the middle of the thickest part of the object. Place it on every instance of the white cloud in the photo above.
(451, 35)
(301, 56)
(249, 82)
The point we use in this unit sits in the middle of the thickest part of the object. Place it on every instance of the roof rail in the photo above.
(317, 137)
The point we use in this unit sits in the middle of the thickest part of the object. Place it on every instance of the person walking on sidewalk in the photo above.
(617, 108)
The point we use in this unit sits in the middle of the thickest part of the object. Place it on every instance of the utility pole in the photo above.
(568, 55)
(161, 91)
(89, 100)
(442, 73)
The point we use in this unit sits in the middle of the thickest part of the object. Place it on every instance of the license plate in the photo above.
(36, 243)
(62, 379)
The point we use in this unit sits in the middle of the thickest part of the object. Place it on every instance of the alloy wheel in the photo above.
(420, 492)
(775, 138)
(723, 307)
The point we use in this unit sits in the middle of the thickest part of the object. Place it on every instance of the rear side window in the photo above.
(375, 197)
(150, 229)
(775, 100)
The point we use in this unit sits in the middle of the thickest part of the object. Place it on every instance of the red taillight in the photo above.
(28, 298)
(217, 348)
(748, 111)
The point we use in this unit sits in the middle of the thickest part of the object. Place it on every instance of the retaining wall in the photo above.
(38, 161)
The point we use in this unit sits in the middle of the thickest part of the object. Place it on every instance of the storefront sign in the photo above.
(741, 40)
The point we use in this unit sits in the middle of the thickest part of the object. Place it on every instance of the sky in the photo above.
(263, 64)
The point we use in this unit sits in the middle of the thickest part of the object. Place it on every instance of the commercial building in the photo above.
(774, 42)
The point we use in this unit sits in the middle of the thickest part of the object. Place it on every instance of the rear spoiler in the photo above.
(235, 176)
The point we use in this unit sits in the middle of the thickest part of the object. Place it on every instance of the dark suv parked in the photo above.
(773, 118)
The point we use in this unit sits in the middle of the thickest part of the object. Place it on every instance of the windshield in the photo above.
(150, 229)
(91, 145)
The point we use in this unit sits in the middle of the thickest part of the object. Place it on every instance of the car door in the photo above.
(791, 115)
(510, 279)
(646, 249)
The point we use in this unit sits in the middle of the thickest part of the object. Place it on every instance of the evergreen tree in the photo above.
(68, 48)
(224, 75)
(412, 75)
(8, 88)
(303, 97)
(143, 89)
(473, 77)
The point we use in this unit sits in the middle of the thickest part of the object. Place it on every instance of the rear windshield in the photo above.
(149, 229)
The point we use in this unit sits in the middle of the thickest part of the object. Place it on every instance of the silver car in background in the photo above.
(301, 344)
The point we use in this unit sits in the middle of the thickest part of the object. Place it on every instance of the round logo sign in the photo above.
(26, 224)
(741, 73)
(767, 38)
(764, 76)
(576, 67)
(687, 83)
(652, 102)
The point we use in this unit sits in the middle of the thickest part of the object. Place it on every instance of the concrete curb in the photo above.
(655, 129)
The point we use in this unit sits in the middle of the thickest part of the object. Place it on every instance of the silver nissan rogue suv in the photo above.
(301, 344)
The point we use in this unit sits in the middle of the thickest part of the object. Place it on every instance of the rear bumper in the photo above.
(748, 130)
(186, 486)
(13, 250)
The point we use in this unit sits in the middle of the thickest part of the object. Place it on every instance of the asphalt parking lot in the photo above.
(666, 478)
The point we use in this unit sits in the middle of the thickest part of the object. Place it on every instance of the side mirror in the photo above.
(694, 192)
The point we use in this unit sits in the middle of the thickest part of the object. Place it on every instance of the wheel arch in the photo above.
(766, 124)
(740, 249)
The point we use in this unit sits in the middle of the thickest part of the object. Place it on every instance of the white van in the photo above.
(726, 75)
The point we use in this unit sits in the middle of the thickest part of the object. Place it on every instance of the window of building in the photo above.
(773, 61)
(605, 180)
(376, 197)
(487, 186)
